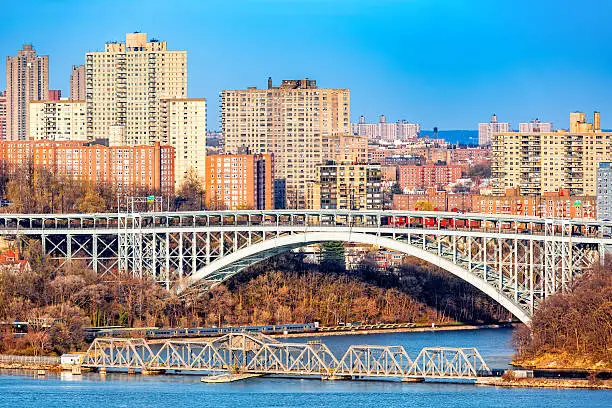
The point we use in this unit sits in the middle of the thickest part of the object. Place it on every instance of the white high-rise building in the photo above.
(486, 130)
(535, 126)
(58, 120)
(401, 130)
(125, 84)
(183, 126)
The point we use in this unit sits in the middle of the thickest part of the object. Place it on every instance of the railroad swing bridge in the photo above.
(253, 353)
(517, 261)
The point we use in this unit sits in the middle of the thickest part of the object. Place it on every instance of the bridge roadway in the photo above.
(248, 353)
(518, 261)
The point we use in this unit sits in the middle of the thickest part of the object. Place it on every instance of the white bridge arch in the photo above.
(235, 262)
(518, 261)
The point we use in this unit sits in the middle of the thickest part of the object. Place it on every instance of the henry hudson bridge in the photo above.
(517, 261)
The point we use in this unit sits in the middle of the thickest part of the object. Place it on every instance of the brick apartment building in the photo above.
(127, 167)
(424, 177)
(240, 181)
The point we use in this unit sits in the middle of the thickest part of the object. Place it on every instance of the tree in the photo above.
(191, 192)
(332, 256)
(396, 189)
(480, 171)
(91, 202)
(424, 206)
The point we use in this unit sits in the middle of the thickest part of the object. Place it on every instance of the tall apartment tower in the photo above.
(27, 79)
(77, 83)
(295, 121)
(2, 115)
(183, 126)
(486, 130)
(125, 84)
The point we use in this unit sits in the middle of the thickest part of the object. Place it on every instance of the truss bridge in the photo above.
(246, 353)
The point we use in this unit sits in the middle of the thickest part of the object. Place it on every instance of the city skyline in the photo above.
(435, 63)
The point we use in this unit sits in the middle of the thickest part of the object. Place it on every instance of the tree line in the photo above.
(574, 328)
(35, 189)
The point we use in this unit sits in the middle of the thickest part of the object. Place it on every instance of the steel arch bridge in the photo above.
(517, 261)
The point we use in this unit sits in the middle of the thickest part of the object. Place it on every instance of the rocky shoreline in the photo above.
(545, 383)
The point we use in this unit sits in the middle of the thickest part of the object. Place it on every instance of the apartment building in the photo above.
(27, 79)
(240, 181)
(78, 89)
(3, 114)
(348, 149)
(543, 162)
(604, 191)
(346, 187)
(54, 95)
(125, 84)
(486, 130)
(150, 168)
(57, 120)
(401, 130)
(183, 126)
(438, 200)
(535, 126)
(423, 177)
(295, 121)
(557, 204)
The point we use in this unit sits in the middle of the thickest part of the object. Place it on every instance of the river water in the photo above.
(120, 390)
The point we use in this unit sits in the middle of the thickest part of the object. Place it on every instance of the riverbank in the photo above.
(56, 368)
(562, 361)
(417, 329)
(545, 383)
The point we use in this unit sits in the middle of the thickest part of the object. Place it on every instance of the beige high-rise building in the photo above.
(2, 115)
(78, 89)
(348, 149)
(58, 120)
(346, 187)
(543, 162)
(125, 84)
(27, 79)
(294, 121)
(183, 126)
(486, 130)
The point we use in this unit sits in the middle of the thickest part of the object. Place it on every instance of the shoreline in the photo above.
(421, 329)
(551, 383)
(544, 383)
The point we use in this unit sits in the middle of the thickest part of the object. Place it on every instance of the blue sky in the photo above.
(445, 63)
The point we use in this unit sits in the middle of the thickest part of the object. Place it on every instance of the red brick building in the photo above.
(240, 181)
(440, 201)
(127, 167)
(411, 177)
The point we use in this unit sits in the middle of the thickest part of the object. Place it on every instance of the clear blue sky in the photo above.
(445, 63)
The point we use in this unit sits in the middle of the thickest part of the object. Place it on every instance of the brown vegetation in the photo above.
(572, 330)
(33, 189)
